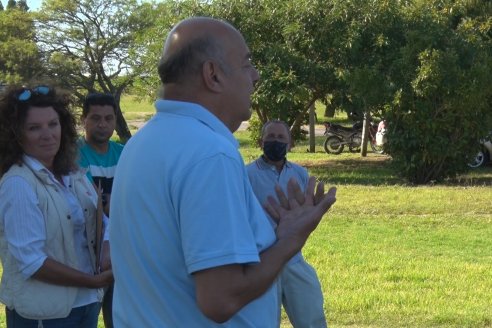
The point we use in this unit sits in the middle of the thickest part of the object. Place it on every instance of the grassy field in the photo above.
(389, 254)
(393, 255)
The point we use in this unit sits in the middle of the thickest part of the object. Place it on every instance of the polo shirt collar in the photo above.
(264, 165)
(198, 112)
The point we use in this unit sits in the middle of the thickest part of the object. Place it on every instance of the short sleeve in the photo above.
(214, 215)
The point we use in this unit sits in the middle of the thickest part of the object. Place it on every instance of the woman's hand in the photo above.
(56, 273)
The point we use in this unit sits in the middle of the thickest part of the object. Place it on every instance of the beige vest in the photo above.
(32, 298)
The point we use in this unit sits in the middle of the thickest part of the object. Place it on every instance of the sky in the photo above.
(33, 4)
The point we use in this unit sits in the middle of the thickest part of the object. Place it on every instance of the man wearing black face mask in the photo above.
(300, 290)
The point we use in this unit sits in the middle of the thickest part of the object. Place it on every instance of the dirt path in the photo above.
(137, 124)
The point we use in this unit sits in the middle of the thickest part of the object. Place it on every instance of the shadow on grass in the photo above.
(376, 171)
(362, 171)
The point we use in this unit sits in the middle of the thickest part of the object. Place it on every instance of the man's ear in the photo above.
(212, 76)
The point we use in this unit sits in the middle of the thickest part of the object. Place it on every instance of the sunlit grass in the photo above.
(134, 109)
(389, 254)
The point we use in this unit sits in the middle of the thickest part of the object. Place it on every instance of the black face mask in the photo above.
(275, 150)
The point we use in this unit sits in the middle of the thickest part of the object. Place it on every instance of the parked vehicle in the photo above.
(338, 136)
(372, 135)
(483, 156)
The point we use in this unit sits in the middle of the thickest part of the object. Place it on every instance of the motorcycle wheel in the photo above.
(375, 148)
(479, 160)
(333, 145)
(355, 142)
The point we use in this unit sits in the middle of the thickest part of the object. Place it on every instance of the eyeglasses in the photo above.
(26, 94)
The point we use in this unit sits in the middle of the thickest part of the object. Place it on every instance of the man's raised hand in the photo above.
(299, 213)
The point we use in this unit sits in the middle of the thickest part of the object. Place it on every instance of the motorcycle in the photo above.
(338, 136)
(483, 156)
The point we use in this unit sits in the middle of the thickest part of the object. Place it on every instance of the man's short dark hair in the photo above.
(98, 98)
(189, 59)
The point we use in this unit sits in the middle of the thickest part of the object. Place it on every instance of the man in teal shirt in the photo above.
(99, 155)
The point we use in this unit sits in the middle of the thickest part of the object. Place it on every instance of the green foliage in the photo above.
(19, 54)
(287, 41)
(423, 65)
(11, 4)
(94, 45)
(254, 128)
(443, 105)
(162, 17)
(369, 41)
(22, 5)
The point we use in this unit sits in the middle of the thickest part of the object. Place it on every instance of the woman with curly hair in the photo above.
(47, 215)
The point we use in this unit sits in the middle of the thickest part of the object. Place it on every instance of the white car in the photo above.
(483, 156)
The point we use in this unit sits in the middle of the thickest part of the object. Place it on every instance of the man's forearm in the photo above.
(223, 291)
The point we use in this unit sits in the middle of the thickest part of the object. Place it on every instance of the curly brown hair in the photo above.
(15, 102)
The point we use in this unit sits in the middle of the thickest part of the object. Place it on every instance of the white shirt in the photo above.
(25, 230)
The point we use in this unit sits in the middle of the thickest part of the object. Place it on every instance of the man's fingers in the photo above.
(282, 198)
(309, 192)
(295, 193)
(320, 192)
(272, 208)
(328, 199)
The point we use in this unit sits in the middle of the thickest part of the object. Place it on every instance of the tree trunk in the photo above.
(330, 110)
(121, 127)
(365, 133)
(312, 136)
(296, 125)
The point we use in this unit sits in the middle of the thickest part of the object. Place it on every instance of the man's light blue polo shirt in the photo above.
(182, 202)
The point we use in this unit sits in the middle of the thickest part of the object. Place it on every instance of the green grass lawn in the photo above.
(393, 255)
(389, 254)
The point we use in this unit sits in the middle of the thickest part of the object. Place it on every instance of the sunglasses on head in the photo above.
(26, 93)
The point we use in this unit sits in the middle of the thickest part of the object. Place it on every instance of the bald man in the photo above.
(190, 244)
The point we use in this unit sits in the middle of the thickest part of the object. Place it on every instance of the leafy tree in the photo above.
(442, 105)
(1, 6)
(294, 71)
(19, 54)
(423, 65)
(93, 45)
(22, 5)
(289, 81)
(363, 43)
(162, 17)
(11, 4)
(290, 49)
